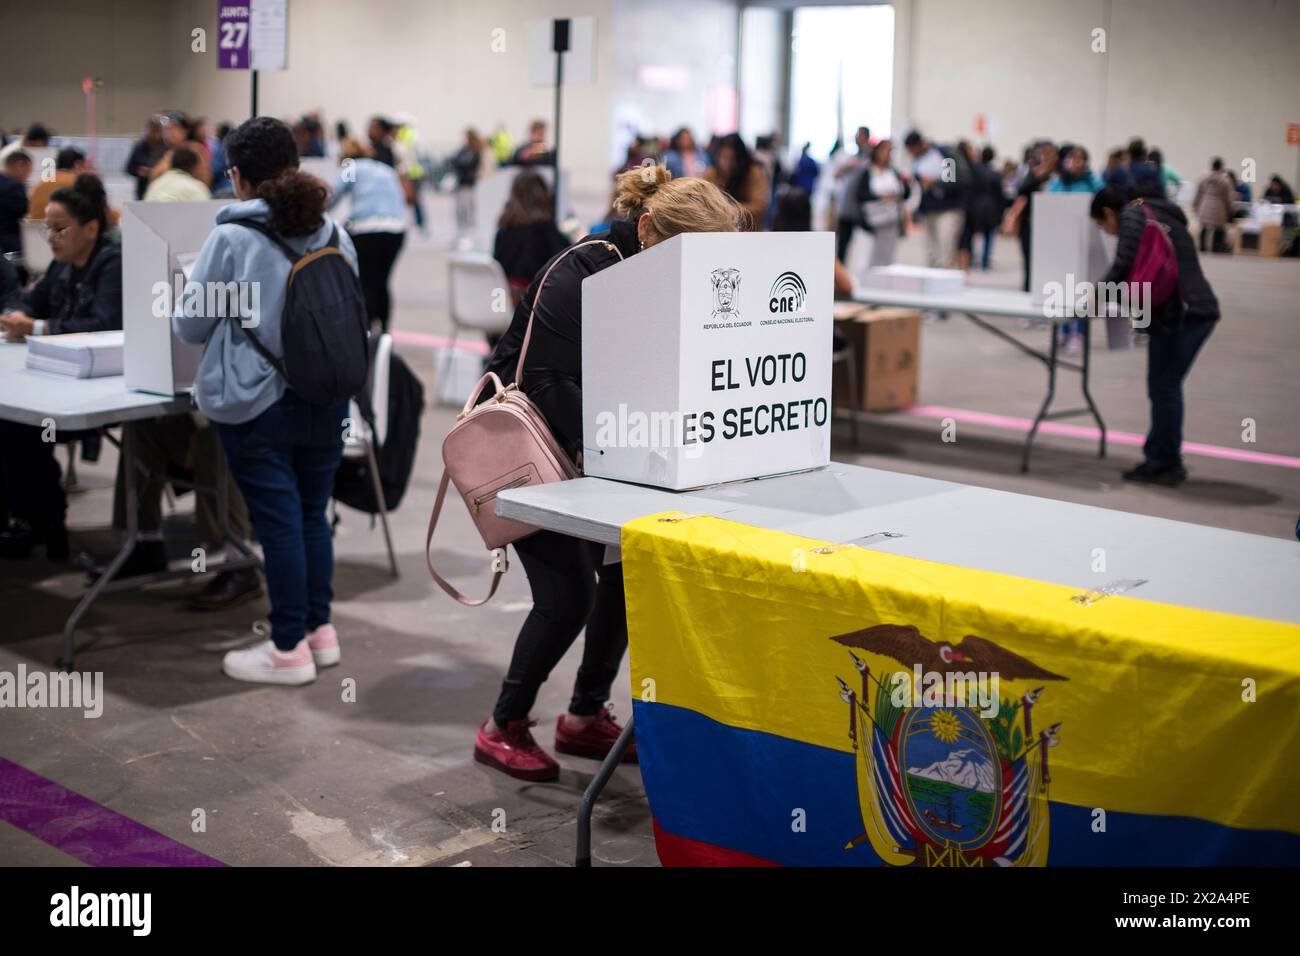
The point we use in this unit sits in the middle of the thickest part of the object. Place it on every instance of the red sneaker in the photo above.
(595, 740)
(513, 751)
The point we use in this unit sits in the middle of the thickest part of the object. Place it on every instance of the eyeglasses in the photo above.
(51, 232)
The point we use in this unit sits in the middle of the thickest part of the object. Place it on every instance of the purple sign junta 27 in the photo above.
(232, 40)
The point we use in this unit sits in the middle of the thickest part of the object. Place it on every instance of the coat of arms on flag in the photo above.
(949, 772)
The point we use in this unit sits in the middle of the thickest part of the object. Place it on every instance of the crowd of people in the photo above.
(281, 451)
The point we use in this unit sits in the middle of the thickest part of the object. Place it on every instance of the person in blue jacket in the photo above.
(283, 451)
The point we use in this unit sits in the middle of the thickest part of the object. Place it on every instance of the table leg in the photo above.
(1047, 401)
(223, 514)
(67, 659)
(592, 793)
(1087, 395)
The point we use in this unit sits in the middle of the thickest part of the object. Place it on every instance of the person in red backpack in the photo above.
(1177, 328)
(572, 585)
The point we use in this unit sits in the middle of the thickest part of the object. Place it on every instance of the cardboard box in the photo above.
(887, 349)
(155, 235)
(707, 358)
(1265, 242)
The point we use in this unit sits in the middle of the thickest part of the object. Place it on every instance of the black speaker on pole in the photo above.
(560, 36)
(560, 46)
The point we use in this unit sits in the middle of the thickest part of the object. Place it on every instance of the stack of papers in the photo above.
(914, 279)
(76, 355)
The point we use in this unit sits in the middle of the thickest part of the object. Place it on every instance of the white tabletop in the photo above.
(962, 525)
(32, 397)
(1005, 303)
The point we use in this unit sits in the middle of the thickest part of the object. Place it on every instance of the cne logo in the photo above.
(788, 294)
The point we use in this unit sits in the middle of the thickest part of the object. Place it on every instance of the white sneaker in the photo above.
(265, 664)
(324, 644)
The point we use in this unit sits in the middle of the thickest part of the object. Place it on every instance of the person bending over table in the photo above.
(572, 587)
(282, 450)
(1177, 330)
(81, 292)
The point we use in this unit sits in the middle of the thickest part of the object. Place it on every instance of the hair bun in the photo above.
(90, 186)
(635, 187)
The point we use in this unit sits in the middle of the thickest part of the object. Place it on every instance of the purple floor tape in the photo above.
(84, 829)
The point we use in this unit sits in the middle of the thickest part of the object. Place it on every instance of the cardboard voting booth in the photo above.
(1067, 247)
(158, 238)
(707, 358)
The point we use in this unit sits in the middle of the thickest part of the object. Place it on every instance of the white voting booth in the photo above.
(1068, 251)
(1066, 245)
(707, 358)
(157, 239)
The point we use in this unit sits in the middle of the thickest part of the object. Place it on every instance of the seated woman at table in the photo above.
(81, 292)
(572, 586)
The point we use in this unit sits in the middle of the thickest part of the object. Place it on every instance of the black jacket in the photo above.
(553, 366)
(142, 154)
(1195, 300)
(522, 250)
(863, 193)
(11, 288)
(88, 299)
(985, 202)
(13, 207)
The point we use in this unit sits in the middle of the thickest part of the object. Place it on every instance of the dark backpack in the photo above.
(353, 485)
(323, 327)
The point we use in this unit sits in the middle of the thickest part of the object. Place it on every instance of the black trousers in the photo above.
(1026, 246)
(1171, 350)
(843, 236)
(31, 485)
(376, 253)
(1217, 235)
(571, 589)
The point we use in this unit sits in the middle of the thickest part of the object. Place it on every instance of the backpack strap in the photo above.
(498, 562)
(264, 229)
(528, 332)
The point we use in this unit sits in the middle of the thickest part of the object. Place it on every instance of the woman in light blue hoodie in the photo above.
(283, 451)
(377, 223)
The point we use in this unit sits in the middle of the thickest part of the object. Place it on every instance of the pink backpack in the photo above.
(503, 443)
(1155, 261)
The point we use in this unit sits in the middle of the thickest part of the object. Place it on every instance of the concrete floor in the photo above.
(299, 776)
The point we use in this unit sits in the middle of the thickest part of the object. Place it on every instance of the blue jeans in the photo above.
(1170, 353)
(284, 462)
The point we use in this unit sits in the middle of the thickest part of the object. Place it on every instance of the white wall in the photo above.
(1194, 77)
(434, 61)
(46, 48)
(692, 43)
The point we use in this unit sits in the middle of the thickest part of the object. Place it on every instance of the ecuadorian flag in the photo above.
(807, 704)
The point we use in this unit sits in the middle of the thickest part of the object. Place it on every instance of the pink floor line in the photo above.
(437, 341)
(1091, 433)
